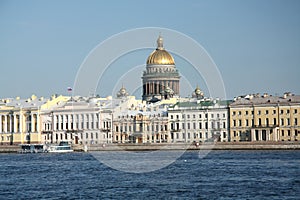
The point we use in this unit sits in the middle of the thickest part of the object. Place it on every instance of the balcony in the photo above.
(265, 126)
(175, 130)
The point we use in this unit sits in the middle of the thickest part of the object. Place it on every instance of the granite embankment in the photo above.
(182, 146)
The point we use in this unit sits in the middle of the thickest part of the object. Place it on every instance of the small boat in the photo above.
(62, 147)
(32, 148)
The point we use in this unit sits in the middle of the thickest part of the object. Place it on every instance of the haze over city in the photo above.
(255, 44)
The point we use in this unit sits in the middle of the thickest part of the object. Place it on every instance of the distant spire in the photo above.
(160, 43)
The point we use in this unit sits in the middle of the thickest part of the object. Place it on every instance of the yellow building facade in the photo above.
(265, 118)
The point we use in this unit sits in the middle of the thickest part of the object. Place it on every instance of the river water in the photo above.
(219, 175)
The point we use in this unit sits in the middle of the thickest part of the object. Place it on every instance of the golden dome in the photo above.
(160, 56)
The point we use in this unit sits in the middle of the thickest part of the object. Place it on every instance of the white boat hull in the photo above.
(60, 151)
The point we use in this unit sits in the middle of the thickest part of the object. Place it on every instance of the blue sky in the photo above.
(255, 44)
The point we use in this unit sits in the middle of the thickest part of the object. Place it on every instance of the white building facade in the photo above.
(78, 121)
(198, 121)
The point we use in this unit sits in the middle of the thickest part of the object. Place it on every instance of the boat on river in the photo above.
(32, 148)
(62, 147)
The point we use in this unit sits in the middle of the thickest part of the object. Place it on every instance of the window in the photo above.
(296, 133)
(233, 113)
(224, 115)
(234, 134)
(274, 112)
(295, 111)
(240, 113)
(267, 121)
(259, 112)
(224, 134)
(274, 121)
(183, 116)
(183, 126)
(194, 125)
(282, 122)
(212, 115)
(287, 111)
(267, 112)
(200, 116)
(206, 125)
(259, 121)
(246, 112)
(206, 115)
(177, 116)
(171, 116)
(289, 132)
(200, 135)
(281, 111)
(224, 125)
(282, 132)
(188, 116)
(296, 121)
(288, 121)
(234, 123)
(200, 125)
(194, 116)
(189, 136)
(240, 122)
(188, 125)
(247, 122)
(218, 115)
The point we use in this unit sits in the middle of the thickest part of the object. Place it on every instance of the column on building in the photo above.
(21, 122)
(59, 122)
(75, 120)
(15, 123)
(253, 135)
(10, 123)
(65, 120)
(260, 135)
(54, 122)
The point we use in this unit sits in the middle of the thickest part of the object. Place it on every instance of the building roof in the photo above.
(32, 102)
(265, 99)
(200, 104)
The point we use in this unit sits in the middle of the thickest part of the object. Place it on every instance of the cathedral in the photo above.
(161, 78)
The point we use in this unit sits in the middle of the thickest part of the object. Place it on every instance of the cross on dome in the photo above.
(160, 43)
